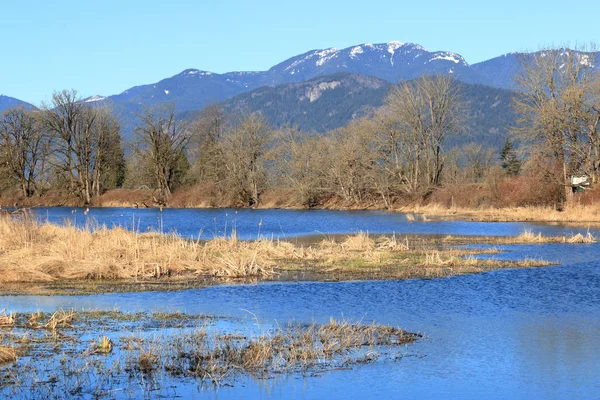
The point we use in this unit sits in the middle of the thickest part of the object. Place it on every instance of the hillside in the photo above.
(8, 102)
(319, 104)
(330, 102)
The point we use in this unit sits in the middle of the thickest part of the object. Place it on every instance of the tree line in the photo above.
(401, 151)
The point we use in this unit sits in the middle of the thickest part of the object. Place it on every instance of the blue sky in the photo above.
(105, 47)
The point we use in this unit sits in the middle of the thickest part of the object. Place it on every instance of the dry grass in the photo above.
(7, 355)
(220, 357)
(103, 346)
(575, 213)
(528, 236)
(6, 319)
(66, 364)
(35, 252)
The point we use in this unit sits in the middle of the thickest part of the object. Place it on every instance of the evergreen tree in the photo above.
(510, 162)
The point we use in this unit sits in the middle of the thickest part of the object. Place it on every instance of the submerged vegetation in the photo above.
(136, 354)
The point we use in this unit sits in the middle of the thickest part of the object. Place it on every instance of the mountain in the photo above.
(193, 89)
(501, 71)
(329, 102)
(319, 104)
(393, 61)
(362, 73)
(8, 102)
(190, 90)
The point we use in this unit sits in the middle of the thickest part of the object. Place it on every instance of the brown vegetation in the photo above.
(292, 348)
(7, 355)
(34, 252)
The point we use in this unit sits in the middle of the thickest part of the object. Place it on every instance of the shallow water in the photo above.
(526, 333)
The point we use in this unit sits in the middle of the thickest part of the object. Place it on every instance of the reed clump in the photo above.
(34, 252)
(103, 345)
(7, 355)
(68, 365)
(6, 319)
(528, 236)
(579, 238)
(573, 213)
(58, 319)
(294, 348)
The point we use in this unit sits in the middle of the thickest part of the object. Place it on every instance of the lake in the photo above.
(523, 333)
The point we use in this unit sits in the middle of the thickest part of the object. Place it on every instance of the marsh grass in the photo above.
(144, 355)
(527, 236)
(218, 358)
(6, 319)
(103, 345)
(573, 213)
(7, 355)
(36, 252)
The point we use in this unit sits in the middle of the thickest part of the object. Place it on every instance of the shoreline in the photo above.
(575, 214)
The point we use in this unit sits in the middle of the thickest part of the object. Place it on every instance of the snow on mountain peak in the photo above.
(325, 55)
(584, 59)
(192, 72)
(94, 98)
(355, 51)
(394, 45)
(448, 56)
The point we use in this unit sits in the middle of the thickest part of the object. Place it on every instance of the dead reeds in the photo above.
(295, 347)
(6, 319)
(36, 252)
(7, 355)
(573, 213)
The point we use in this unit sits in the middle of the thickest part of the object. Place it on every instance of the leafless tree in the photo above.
(414, 124)
(205, 146)
(161, 142)
(109, 161)
(479, 161)
(81, 133)
(244, 148)
(352, 160)
(24, 147)
(558, 110)
(301, 161)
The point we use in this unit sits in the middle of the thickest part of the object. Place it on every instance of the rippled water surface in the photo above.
(527, 333)
(280, 223)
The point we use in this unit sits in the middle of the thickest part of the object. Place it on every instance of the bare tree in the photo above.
(414, 124)
(109, 161)
(479, 161)
(205, 146)
(162, 142)
(81, 135)
(353, 155)
(244, 147)
(557, 110)
(24, 147)
(301, 162)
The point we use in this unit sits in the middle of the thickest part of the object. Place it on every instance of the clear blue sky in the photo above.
(105, 47)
